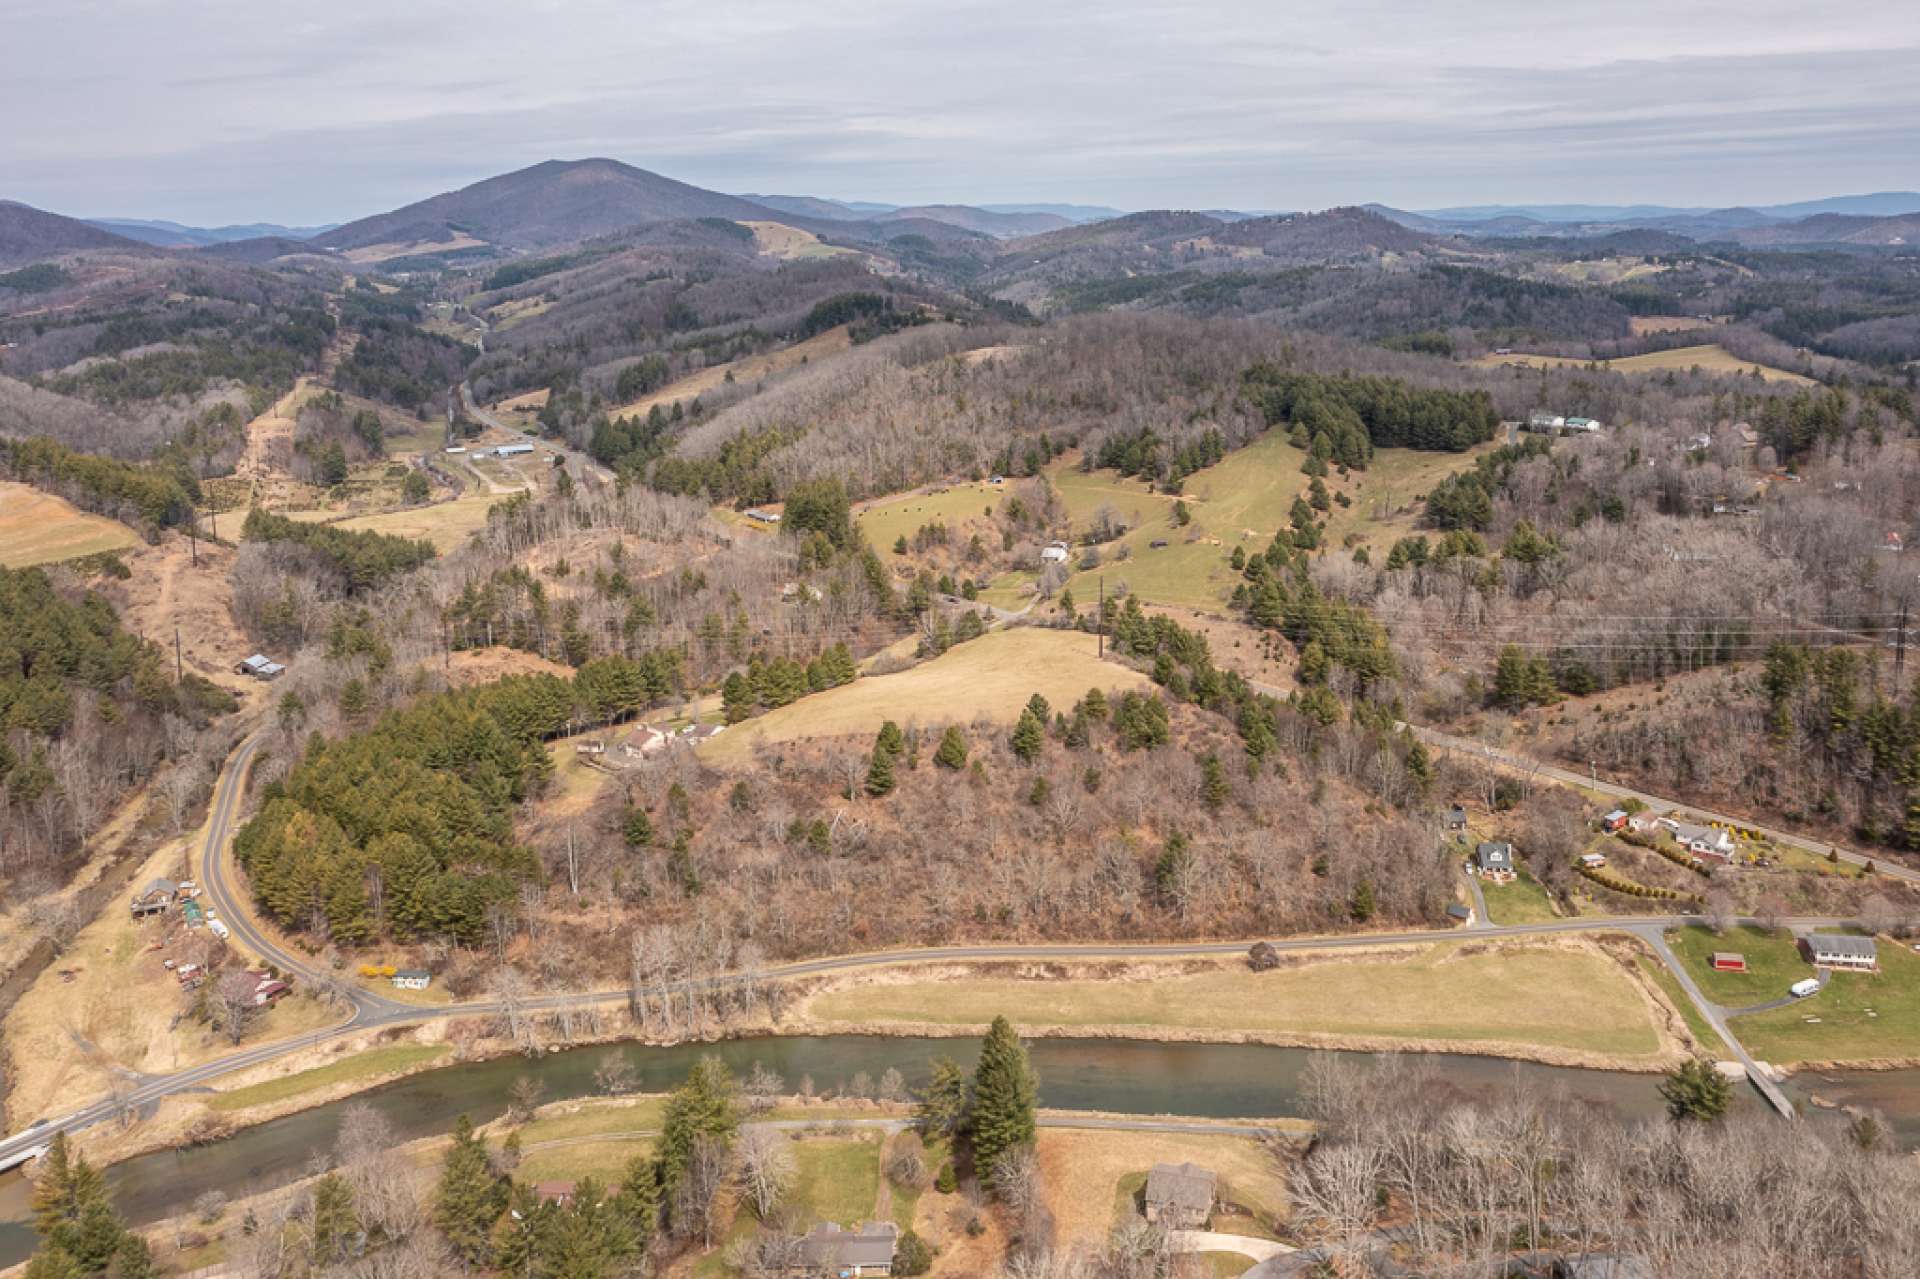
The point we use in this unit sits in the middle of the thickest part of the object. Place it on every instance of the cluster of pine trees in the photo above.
(407, 827)
(81, 1235)
(781, 681)
(363, 559)
(1145, 454)
(1357, 414)
(992, 1113)
(1826, 699)
(1280, 594)
(1465, 500)
(151, 496)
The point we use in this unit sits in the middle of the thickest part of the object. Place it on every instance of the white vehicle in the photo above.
(219, 929)
(1804, 987)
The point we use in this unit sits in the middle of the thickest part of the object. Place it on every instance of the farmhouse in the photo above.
(644, 741)
(695, 734)
(1494, 861)
(1180, 1196)
(827, 1249)
(267, 989)
(412, 979)
(1704, 841)
(1054, 553)
(154, 899)
(1840, 950)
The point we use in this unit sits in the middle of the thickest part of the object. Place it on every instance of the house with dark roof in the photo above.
(1840, 950)
(1456, 818)
(1494, 861)
(154, 899)
(848, 1254)
(1180, 1196)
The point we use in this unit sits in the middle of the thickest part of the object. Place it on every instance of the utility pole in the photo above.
(1900, 645)
(1102, 627)
(178, 668)
(193, 539)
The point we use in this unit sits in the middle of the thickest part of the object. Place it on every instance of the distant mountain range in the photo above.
(173, 235)
(562, 202)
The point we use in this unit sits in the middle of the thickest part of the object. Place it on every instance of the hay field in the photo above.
(886, 519)
(1644, 324)
(1445, 994)
(1243, 500)
(778, 240)
(1709, 357)
(39, 528)
(992, 676)
(749, 369)
(445, 524)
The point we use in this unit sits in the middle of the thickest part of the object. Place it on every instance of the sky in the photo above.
(217, 112)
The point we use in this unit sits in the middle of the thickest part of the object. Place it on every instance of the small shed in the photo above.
(1054, 553)
(192, 914)
(1727, 961)
(1460, 914)
(1180, 1196)
(412, 979)
(1592, 861)
(1614, 822)
(1456, 818)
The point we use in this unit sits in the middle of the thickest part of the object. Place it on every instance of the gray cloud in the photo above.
(241, 111)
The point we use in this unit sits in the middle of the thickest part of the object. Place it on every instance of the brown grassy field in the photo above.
(777, 240)
(1081, 1171)
(39, 528)
(750, 369)
(1449, 993)
(1644, 324)
(383, 252)
(1709, 357)
(991, 677)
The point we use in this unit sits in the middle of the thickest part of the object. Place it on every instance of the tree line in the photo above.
(148, 496)
(363, 559)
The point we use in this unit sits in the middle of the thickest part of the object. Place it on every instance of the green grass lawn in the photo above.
(1861, 1016)
(1444, 993)
(602, 1160)
(886, 521)
(362, 1065)
(1773, 963)
(839, 1178)
(640, 1114)
(1661, 976)
(1522, 901)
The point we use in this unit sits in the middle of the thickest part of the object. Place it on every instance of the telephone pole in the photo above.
(1900, 645)
(1102, 627)
(178, 668)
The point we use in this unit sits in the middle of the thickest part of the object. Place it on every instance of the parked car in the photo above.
(1804, 987)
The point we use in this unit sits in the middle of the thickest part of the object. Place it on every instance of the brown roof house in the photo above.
(1180, 1196)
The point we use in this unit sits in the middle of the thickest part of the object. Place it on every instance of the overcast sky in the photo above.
(225, 111)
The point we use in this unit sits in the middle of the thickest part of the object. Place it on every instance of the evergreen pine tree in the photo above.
(470, 1197)
(953, 749)
(639, 1199)
(700, 1107)
(942, 1108)
(336, 1222)
(637, 828)
(1213, 783)
(1094, 704)
(1695, 1090)
(1005, 1092)
(515, 1237)
(880, 773)
(891, 739)
(1039, 708)
(1028, 736)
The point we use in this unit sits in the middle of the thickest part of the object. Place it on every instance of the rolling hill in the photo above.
(554, 202)
(28, 235)
(1328, 236)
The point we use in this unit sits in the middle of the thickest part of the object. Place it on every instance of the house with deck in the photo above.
(848, 1254)
(1180, 1196)
(1841, 950)
(1494, 861)
(1709, 842)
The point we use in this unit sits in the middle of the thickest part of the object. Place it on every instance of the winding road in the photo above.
(227, 900)
(573, 457)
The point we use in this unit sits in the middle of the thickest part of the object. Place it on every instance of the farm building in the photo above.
(1456, 818)
(643, 741)
(695, 734)
(827, 1249)
(192, 915)
(1584, 425)
(1726, 961)
(260, 666)
(1054, 553)
(1615, 822)
(513, 450)
(154, 899)
(1180, 1196)
(1460, 914)
(1541, 420)
(1840, 950)
(1494, 861)
(1593, 861)
(413, 979)
(763, 516)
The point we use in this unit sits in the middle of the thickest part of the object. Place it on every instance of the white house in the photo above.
(1541, 420)
(413, 979)
(1704, 841)
(644, 741)
(1840, 950)
(1054, 553)
(1583, 425)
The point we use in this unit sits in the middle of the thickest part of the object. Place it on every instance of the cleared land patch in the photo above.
(990, 677)
(39, 528)
(1708, 357)
(1447, 994)
(887, 519)
(748, 369)
(1860, 1017)
(778, 240)
(1083, 1172)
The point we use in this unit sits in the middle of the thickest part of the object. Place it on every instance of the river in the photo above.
(1219, 1081)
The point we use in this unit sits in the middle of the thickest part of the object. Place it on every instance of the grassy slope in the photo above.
(1710, 357)
(1439, 994)
(1773, 964)
(1089, 1177)
(39, 528)
(1521, 902)
(362, 1065)
(1862, 1016)
(891, 518)
(991, 676)
(1243, 500)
